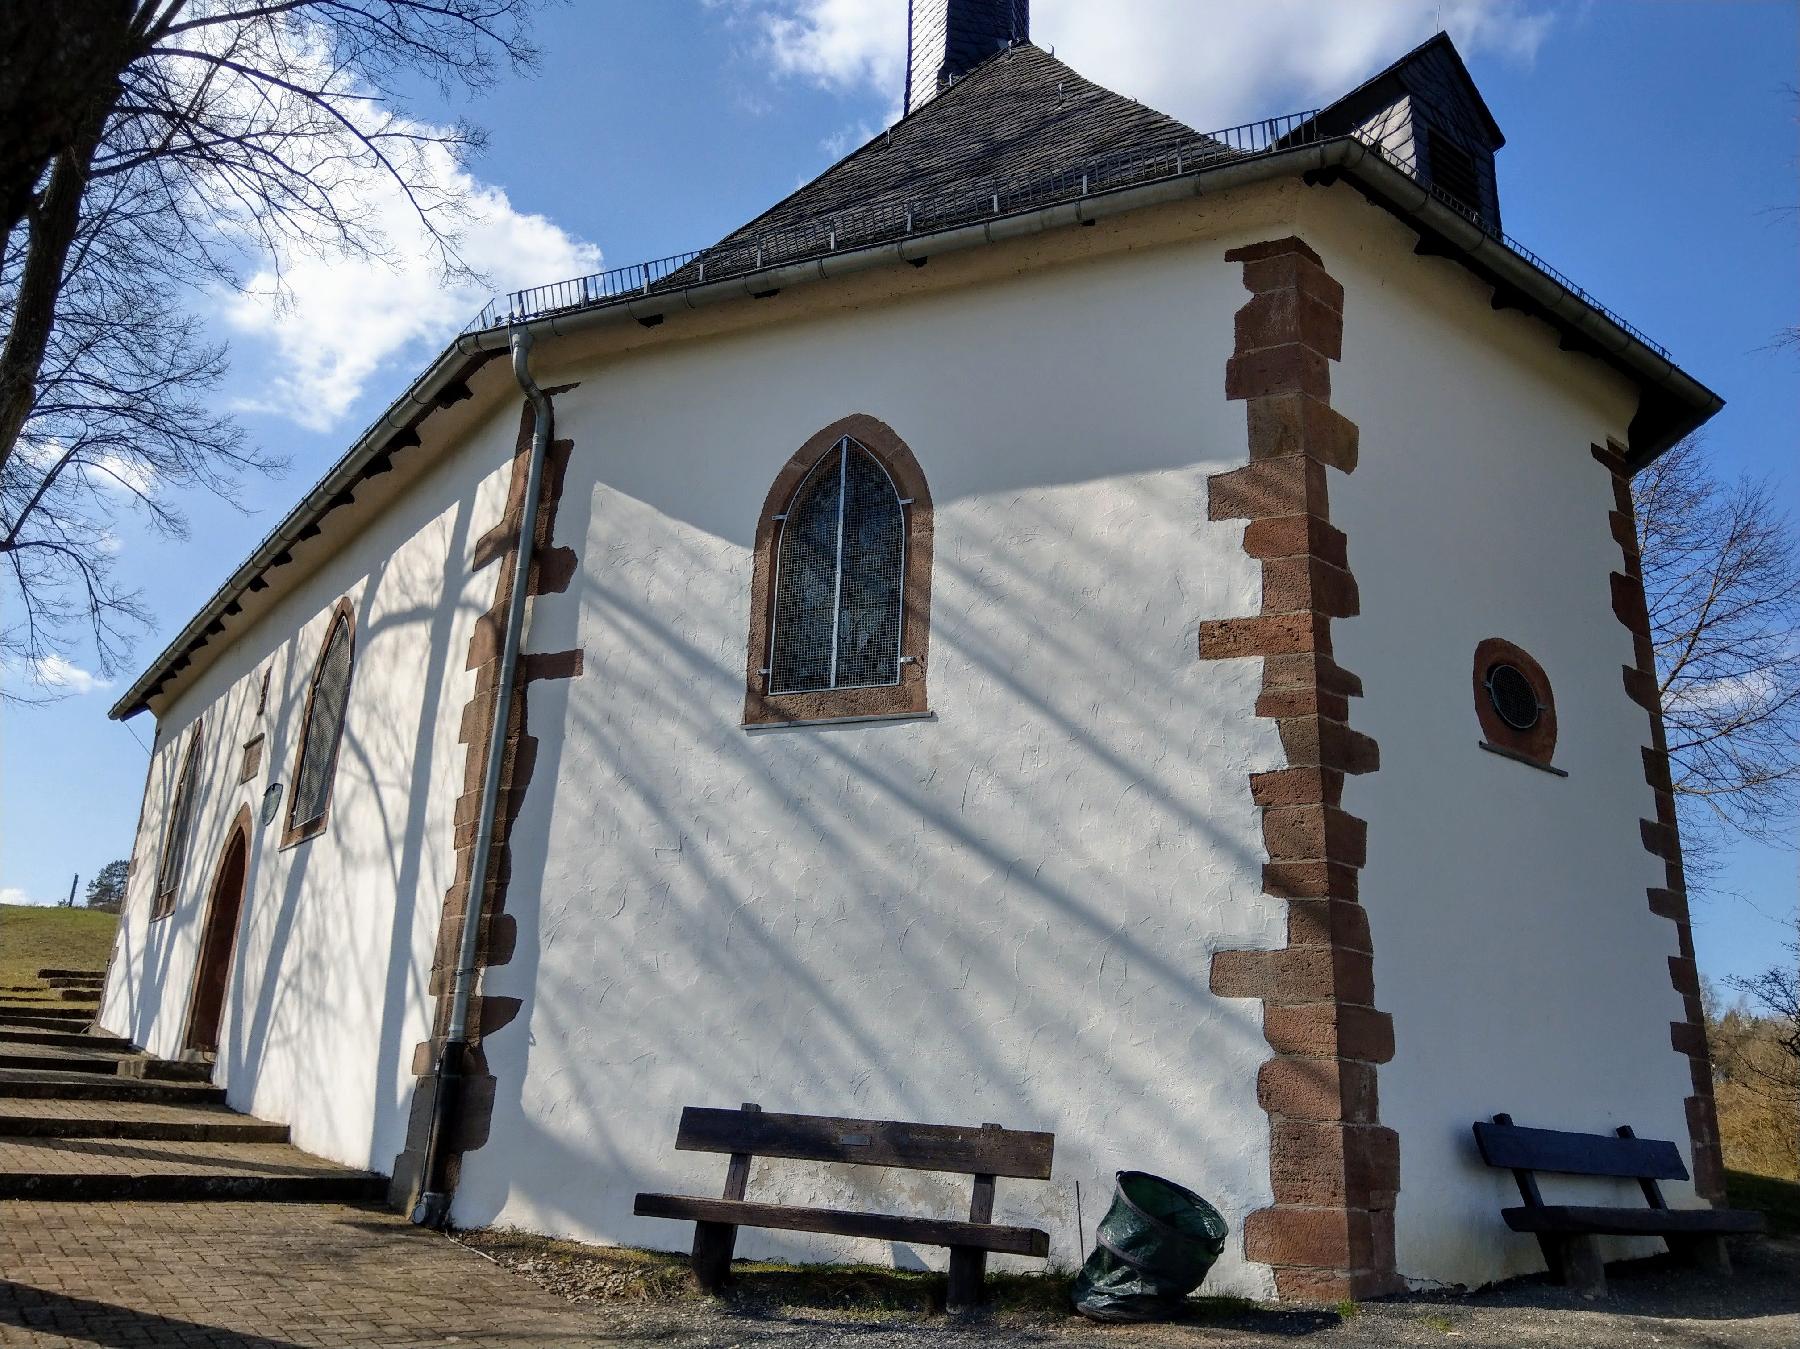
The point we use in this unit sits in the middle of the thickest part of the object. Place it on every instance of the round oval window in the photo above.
(271, 802)
(1512, 696)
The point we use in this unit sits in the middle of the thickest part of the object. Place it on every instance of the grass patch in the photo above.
(1776, 1200)
(1439, 1322)
(34, 938)
(846, 1292)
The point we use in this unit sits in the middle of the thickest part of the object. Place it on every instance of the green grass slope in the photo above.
(33, 938)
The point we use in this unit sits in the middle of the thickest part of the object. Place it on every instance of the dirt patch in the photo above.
(1655, 1301)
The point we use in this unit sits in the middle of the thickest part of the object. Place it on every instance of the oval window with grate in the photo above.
(1512, 695)
(1514, 704)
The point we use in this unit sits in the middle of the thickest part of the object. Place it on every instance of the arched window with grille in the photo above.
(179, 831)
(841, 584)
(321, 728)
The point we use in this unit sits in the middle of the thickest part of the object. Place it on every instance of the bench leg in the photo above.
(967, 1268)
(713, 1244)
(1578, 1265)
(1708, 1253)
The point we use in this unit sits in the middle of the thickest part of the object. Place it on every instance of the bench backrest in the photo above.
(1506, 1144)
(987, 1150)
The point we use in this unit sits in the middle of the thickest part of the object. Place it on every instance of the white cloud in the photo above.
(1211, 65)
(342, 319)
(58, 673)
(12, 894)
(120, 474)
(844, 45)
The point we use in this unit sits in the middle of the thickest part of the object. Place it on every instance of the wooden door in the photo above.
(217, 943)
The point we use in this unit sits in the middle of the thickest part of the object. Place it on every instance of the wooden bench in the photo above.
(1567, 1233)
(984, 1153)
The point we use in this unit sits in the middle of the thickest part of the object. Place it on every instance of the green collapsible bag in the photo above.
(1154, 1246)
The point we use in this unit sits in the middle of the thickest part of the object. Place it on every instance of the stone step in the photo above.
(144, 1120)
(71, 1059)
(58, 1060)
(50, 1085)
(52, 973)
(51, 1013)
(46, 1003)
(53, 997)
(108, 1169)
(89, 985)
(45, 996)
(65, 1038)
(164, 1070)
(68, 1025)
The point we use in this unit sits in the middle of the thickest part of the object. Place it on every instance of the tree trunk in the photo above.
(85, 53)
(54, 222)
(56, 61)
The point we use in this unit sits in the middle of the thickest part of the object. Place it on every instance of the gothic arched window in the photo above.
(322, 726)
(178, 832)
(842, 582)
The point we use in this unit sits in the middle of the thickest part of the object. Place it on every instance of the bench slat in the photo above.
(839, 1222)
(1510, 1145)
(1631, 1222)
(821, 1138)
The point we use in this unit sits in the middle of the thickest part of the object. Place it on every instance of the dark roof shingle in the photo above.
(1019, 117)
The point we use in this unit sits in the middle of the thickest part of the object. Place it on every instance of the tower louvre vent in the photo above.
(946, 39)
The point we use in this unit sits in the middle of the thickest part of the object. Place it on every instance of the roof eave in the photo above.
(1673, 405)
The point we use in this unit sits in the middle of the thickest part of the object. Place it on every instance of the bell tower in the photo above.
(945, 39)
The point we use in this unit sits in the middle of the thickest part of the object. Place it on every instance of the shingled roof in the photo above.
(1018, 118)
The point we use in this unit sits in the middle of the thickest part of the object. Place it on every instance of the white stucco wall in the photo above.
(1005, 913)
(326, 997)
(1513, 942)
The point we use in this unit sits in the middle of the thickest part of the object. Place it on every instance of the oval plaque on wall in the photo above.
(271, 803)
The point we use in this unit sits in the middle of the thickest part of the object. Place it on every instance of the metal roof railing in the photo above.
(896, 218)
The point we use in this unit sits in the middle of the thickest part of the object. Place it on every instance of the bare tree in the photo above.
(1722, 579)
(195, 142)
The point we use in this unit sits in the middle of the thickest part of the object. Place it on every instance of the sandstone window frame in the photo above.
(1534, 745)
(178, 830)
(908, 696)
(295, 830)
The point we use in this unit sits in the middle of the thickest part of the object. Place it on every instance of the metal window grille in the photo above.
(168, 877)
(839, 578)
(324, 724)
(1513, 696)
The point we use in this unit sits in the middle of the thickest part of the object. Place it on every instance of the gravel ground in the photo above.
(1652, 1302)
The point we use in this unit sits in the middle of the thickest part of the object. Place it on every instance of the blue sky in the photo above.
(1651, 156)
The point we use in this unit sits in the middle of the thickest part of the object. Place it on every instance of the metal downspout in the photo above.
(433, 1208)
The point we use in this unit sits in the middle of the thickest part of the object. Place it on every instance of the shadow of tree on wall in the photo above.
(708, 913)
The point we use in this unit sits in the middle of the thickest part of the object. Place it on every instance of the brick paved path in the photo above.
(260, 1276)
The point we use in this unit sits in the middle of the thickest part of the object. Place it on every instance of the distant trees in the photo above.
(1756, 1071)
(1722, 580)
(107, 889)
(151, 148)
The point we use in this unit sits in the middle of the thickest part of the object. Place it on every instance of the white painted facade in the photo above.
(1514, 946)
(1006, 911)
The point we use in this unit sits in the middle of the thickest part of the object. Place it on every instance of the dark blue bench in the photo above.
(1567, 1232)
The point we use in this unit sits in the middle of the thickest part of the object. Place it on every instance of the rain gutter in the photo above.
(433, 1208)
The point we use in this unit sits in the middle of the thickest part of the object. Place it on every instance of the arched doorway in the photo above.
(218, 939)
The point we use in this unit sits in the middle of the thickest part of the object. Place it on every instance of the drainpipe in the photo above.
(433, 1208)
